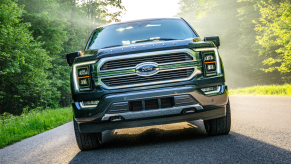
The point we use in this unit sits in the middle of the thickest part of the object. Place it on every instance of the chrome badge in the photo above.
(147, 69)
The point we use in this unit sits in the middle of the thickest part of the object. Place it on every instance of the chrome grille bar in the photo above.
(135, 79)
(132, 62)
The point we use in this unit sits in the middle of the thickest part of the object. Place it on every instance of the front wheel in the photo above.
(87, 141)
(220, 125)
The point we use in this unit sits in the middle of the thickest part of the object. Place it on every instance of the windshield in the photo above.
(140, 32)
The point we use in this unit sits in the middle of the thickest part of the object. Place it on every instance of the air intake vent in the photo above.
(151, 104)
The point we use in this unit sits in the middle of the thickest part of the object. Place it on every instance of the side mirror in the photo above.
(214, 39)
(71, 57)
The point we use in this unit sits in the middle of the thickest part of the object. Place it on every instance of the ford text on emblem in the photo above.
(147, 69)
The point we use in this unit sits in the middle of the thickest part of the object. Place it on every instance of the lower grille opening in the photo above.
(167, 102)
(151, 104)
(135, 105)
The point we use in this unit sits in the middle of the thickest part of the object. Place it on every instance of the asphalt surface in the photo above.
(260, 133)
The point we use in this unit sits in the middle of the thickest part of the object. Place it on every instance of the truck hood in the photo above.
(96, 54)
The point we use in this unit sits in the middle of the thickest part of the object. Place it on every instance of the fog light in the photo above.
(91, 102)
(210, 67)
(116, 118)
(189, 110)
(83, 82)
(209, 89)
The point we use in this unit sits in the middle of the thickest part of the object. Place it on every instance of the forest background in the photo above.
(36, 34)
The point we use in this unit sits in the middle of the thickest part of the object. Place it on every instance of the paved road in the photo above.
(260, 133)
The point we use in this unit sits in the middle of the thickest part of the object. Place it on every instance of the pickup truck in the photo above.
(147, 72)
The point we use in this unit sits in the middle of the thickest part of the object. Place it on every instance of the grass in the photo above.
(268, 90)
(16, 128)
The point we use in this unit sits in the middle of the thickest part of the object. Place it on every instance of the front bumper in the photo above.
(202, 106)
(102, 126)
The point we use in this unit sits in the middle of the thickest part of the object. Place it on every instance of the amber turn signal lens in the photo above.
(210, 62)
(83, 77)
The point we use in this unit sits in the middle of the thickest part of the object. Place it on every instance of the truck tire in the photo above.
(220, 125)
(87, 141)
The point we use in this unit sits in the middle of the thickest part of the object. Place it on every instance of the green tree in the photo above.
(22, 61)
(233, 22)
(274, 37)
(64, 26)
(35, 36)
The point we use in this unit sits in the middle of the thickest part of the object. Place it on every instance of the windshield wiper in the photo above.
(152, 39)
(111, 46)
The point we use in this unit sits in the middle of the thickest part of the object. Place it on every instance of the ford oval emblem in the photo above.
(147, 69)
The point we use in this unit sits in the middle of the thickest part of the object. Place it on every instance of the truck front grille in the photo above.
(135, 79)
(132, 62)
(127, 70)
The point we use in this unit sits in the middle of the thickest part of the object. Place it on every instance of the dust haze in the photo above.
(232, 21)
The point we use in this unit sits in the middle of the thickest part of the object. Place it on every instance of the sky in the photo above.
(139, 9)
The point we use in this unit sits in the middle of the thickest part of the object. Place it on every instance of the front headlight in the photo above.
(209, 57)
(84, 81)
(83, 72)
(209, 63)
(82, 75)
(210, 67)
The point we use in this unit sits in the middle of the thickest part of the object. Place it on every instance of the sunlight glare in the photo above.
(149, 9)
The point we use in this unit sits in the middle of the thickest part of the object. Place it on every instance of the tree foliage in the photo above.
(23, 61)
(35, 36)
(249, 43)
(274, 35)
